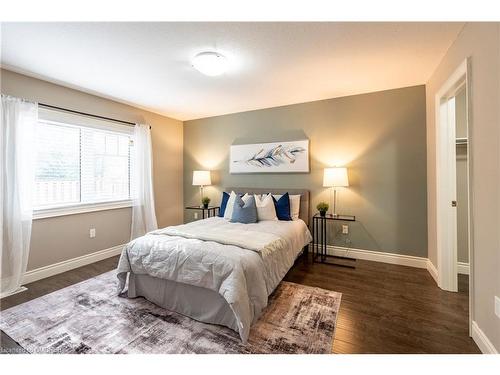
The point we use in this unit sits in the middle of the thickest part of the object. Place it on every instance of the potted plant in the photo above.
(322, 208)
(205, 201)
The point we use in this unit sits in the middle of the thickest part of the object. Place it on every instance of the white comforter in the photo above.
(242, 262)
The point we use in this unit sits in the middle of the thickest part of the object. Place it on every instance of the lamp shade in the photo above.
(335, 177)
(201, 178)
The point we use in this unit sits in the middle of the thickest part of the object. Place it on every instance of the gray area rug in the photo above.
(89, 318)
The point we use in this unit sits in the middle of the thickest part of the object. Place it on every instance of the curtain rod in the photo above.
(86, 114)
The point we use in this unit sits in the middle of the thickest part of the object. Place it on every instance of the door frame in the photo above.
(446, 183)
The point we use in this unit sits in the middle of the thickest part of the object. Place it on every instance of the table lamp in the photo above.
(201, 178)
(333, 178)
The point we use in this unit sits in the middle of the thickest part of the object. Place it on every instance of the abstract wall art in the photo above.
(276, 157)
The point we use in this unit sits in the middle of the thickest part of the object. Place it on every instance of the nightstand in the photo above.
(319, 229)
(211, 211)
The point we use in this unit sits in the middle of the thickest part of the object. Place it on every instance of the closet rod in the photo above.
(86, 114)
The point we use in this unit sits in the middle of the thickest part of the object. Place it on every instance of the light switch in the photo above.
(497, 306)
(92, 232)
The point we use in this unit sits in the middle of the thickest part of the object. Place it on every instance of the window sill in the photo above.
(79, 209)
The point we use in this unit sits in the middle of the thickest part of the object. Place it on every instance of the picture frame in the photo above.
(272, 157)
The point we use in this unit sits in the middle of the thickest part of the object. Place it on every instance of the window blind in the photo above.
(79, 164)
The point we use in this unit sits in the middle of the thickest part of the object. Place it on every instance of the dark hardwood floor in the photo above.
(385, 308)
(388, 308)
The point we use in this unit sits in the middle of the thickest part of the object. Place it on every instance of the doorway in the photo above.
(453, 180)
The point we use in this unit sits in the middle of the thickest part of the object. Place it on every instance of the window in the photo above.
(80, 161)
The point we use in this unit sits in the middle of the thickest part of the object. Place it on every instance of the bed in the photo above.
(212, 270)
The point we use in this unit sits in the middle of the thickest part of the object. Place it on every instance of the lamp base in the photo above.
(201, 195)
(333, 202)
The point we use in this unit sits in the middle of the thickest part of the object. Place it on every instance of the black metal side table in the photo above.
(319, 229)
(211, 210)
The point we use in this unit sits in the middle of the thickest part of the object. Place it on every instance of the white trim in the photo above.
(67, 265)
(377, 256)
(391, 258)
(497, 306)
(482, 340)
(18, 290)
(79, 209)
(432, 270)
(463, 268)
(470, 200)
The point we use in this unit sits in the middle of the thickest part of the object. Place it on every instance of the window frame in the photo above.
(80, 121)
(73, 209)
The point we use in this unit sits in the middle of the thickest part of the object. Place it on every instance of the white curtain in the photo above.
(17, 157)
(143, 209)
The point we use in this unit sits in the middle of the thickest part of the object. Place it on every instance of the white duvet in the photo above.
(244, 263)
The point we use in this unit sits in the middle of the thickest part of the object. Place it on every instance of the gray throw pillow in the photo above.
(244, 211)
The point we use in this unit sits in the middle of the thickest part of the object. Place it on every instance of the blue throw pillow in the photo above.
(223, 204)
(282, 207)
(245, 213)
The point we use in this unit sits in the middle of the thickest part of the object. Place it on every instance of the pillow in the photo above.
(228, 213)
(244, 210)
(265, 207)
(294, 205)
(223, 204)
(282, 206)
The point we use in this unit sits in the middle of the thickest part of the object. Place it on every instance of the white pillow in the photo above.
(294, 205)
(230, 206)
(228, 214)
(265, 207)
(246, 197)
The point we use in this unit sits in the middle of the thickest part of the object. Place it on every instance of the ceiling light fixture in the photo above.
(210, 63)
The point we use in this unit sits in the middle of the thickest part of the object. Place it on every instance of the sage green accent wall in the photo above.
(379, 136)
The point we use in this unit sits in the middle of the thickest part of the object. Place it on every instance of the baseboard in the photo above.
(377, 256)
(463, 268)
(482, 340)
(432, 270)
(18, 290)
(403, 260)
(67, 265)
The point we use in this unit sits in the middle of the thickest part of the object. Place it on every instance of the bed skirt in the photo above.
(198, 303)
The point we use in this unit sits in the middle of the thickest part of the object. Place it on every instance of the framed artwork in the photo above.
(276, 157)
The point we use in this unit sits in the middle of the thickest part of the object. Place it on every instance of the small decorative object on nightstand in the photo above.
(210, 211)
(322, 207)
(205, 201)
(319, 229)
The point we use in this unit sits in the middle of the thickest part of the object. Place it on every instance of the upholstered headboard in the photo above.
(304, 197)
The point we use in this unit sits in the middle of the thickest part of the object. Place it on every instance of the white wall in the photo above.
(480, 41)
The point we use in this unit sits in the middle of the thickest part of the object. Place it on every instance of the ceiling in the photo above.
(272, 64)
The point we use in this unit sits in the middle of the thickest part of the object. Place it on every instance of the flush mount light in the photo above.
(210, 63)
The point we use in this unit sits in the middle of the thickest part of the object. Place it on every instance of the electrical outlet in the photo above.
(196, 215)
(497, 306)
(345, 229)
(92, 232)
